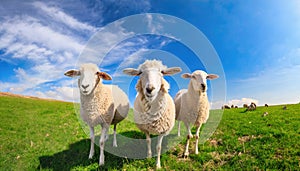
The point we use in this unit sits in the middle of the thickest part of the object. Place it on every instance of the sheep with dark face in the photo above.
(192, 105)
(225, 107)
(99, 103)
(251, 107)
(154, 109)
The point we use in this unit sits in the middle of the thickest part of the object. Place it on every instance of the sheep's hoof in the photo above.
(91, 156)
(186, 155)
(101, 163)
(158, 166)
(149, 156)
(115, 145)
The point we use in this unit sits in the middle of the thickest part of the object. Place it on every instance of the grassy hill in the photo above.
(46, 135)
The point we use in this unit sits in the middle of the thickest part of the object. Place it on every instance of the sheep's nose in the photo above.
(203, 86)
(85, 86)
(149, 89)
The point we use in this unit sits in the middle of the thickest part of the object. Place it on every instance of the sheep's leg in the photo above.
(158, 149)
(197, 139)
(115, 136)
(101, 142)
(178, 129)
(148, 139)
(92, 137)
(186, 152)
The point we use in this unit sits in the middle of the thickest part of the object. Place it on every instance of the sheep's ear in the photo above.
(212, 76)
(132, 71)
(104, 75)
(186, 75)
(72, 73)
(171, 71)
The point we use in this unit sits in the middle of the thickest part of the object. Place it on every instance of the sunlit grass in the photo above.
(47, 135)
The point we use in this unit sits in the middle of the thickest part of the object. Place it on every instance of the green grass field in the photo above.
(47, 135)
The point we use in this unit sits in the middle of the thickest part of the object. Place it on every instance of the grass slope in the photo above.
(46, 135)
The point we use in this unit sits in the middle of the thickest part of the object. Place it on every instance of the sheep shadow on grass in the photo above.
(77, 156)
(131, 145)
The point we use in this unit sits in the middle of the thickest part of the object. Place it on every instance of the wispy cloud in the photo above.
(43, 41)
(61, 17)
(276, 84)
(41, 51)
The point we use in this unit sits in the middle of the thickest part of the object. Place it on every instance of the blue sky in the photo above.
(257, 44)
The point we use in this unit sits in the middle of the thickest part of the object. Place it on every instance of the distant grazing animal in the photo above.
(99, 103)
(154, 109)
(266, 105)
(265, 114)
(251, 107)
(232, 106)
(225, 107)
(192, 105)
(236, 107)
(284, 107)
(245, 106)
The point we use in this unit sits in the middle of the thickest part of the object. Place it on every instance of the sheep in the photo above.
(225, 107)
(284, 107)
(232, 106)
(265, 114)
(245, 106)
(192, 106)
(154, 109)
(266, 105)
(99, 103)
(251, 107)
(236, 107)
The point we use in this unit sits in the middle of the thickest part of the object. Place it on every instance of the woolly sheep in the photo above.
(245, 106)
(154, 109)
(265, 114)
(99, 103)
(225, 107)
(251, 107)
(284, 107)
(192, 106)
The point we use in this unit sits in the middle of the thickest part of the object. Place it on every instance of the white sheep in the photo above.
(99, 103)
(154, 109)
(192, 106)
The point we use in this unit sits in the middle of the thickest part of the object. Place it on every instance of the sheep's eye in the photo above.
(97, 73)
(193, 76)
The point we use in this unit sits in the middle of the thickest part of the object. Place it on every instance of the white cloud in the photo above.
(61, 17)
(68, 93)
(155, 25)
(241, 102)
(27, 30)
(48, 50)
(49, 40)
(216, 104)
(277, 84)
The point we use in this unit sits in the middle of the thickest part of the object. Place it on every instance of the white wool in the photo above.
(192, 105)
(154, 115)
(152, 64)
(103, 104)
